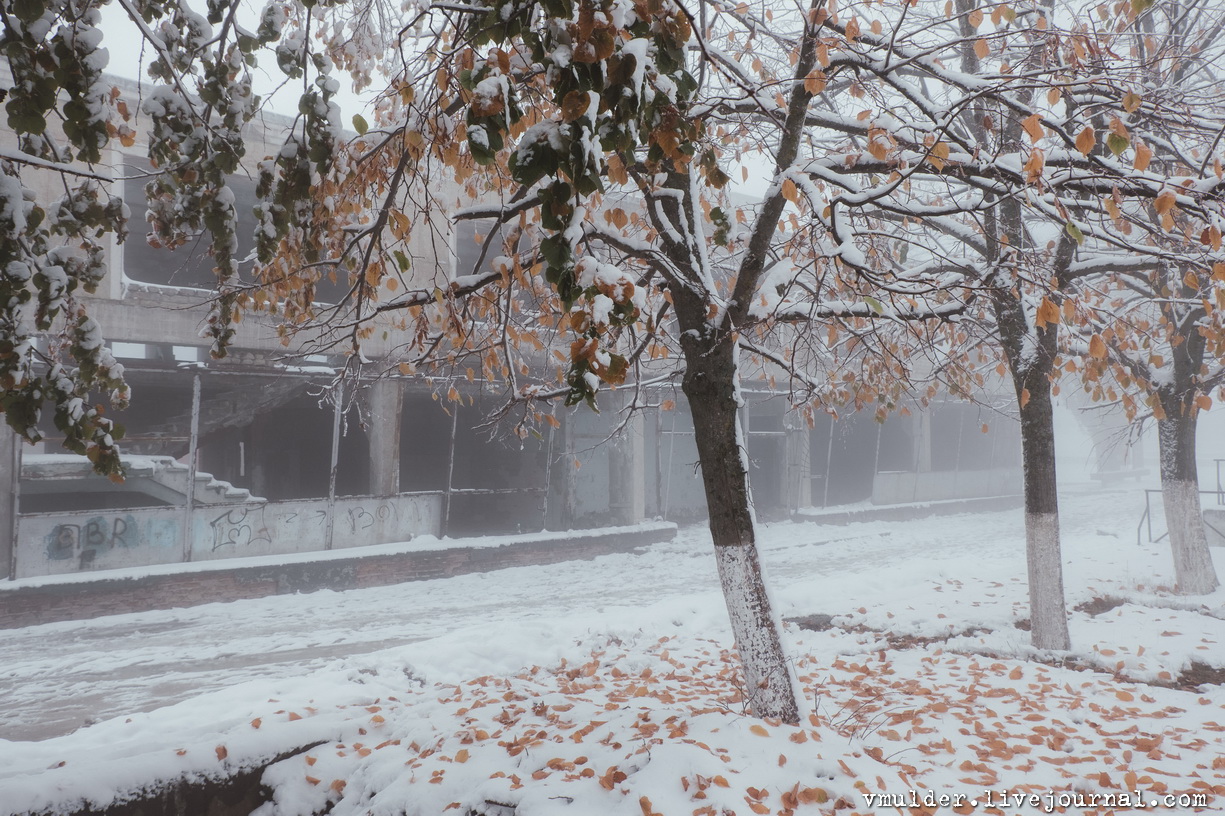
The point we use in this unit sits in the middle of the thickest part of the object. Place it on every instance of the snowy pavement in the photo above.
(922, 652)
(60, 676)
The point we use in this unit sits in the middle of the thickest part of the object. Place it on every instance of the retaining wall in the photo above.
(59, 543)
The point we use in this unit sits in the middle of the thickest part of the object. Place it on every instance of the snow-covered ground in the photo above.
(487, 689)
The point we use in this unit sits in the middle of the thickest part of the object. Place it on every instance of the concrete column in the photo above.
(797, 465)
(10, 481)
(386, 401)
(626, 478)
(923, 441)
(561, 470)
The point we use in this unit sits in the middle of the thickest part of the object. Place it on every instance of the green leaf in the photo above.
(1074, 231)
(874, 304)
(360, 125)
(28, 10)
(1117, 143)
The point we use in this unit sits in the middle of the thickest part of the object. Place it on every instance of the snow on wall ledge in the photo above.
(899, 487)
(60, 543)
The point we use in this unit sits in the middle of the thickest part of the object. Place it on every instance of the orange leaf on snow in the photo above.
(256, 722)
(1165, 202)
(1143, 156)
(759, 730)
(1048, 312)
(1086, 140)
(811, 795)
(222, 752)
(1033, 127)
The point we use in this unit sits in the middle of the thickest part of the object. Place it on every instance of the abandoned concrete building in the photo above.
(278, 469)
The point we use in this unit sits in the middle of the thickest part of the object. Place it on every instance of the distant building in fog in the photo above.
(403, 466)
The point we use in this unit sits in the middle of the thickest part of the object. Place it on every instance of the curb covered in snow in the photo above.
(80, 596)
(907, 512)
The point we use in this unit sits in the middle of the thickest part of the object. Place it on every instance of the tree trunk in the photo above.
(1043, 556)
(1193, 568)
(710, 385)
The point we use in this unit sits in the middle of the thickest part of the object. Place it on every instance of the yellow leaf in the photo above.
(975, 18)
(461, 755)
(1024, 397)
(1143, 156)
(790, 191)
(814, 83)
(1204, 402)
(1048, 312)
(1164, 202)
(1086, 140)
(1033, 126)
(938, 155)
(759, 730)
(1034, 167)
(1054, 95)
(1131, 102)
(982, 48)
(852, 29)
(1097, 348)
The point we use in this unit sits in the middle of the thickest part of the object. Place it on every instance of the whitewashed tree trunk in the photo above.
(1193, 568)
(1043, 554)
(710, 386)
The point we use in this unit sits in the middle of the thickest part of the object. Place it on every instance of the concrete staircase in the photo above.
(160, 477)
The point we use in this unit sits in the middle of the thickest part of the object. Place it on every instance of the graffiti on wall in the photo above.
(239, 527)
(361, 518)
(110, 539)
(85, 542)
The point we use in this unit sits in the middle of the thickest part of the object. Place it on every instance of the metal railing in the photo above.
(1147, 517)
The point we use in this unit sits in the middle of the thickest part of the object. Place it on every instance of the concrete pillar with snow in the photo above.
(797, 474)
(10, 482)
(386, 402)
(626, 479)
(923, 440)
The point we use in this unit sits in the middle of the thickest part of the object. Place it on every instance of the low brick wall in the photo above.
(49, 601)
(909, 512)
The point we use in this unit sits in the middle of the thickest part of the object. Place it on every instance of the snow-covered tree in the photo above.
(599, 136)
(1050, 117)
(1148, 335)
